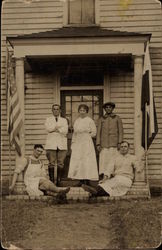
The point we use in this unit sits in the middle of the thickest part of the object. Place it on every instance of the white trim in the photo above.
(97, 12)
(79, 49)
(77, 40)
(65, 12)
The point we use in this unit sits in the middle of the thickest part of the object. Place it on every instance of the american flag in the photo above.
(14, 116)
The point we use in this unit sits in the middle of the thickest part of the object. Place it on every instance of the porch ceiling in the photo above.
(79, 64)
(79, 41)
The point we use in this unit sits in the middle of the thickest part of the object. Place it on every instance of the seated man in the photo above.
(119, 177)
(35, 177)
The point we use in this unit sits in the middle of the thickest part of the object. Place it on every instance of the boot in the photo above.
(59, 175)
(51, 174)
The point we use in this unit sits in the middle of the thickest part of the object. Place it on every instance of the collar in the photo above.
(111, 115)
(33, 158)
(56, 116)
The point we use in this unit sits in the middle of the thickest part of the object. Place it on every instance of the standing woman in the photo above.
(83, 164)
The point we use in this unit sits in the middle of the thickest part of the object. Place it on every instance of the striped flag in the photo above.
(149, 119)
(14, 117)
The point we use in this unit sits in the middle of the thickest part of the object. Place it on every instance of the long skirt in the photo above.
(83, 163)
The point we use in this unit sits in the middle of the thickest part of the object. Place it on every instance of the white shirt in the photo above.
(124, 165)
(56, 139)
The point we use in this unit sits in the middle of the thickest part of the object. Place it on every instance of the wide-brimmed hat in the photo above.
(112, 104)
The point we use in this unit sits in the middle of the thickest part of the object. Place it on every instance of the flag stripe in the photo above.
(14, 114)
(16, 117)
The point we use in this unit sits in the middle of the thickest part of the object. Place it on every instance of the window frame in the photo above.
(66, 17)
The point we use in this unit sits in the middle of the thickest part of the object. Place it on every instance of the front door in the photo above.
(70, 100)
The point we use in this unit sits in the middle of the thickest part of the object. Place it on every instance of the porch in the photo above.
(96, 55)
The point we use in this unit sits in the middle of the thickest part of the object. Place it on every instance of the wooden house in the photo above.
(73, 51)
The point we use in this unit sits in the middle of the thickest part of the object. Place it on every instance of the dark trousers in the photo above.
(55, 157)
(101, 191)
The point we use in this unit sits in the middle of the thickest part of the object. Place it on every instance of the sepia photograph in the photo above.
(81, 124)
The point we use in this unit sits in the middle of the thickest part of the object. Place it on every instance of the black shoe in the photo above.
(89, 189)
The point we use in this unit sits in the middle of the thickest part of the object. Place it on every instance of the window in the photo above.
(70, 100)
(81, 11)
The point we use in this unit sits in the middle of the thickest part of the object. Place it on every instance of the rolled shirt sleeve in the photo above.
(21, 166)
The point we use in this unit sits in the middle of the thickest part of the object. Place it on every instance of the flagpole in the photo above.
(146, 149)
(7, 58)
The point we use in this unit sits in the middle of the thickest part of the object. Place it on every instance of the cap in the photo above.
(108, 103)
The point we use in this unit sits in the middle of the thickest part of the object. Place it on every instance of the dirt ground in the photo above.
(115, 224)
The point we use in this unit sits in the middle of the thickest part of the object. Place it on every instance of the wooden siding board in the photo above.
(132, 7)
(133, 2)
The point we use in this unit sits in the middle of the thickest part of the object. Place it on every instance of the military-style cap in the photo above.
(108, 103)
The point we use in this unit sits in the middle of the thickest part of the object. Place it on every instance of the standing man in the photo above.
(109, 137)
(56, 142)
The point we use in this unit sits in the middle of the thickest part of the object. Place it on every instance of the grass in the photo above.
(116, 224)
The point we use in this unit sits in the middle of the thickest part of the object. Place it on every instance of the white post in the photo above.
(19, 70)
(138, 149)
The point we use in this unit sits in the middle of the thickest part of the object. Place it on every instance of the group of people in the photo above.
(116, 166)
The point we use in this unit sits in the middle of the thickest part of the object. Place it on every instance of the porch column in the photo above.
(19, 70)
(138, 149)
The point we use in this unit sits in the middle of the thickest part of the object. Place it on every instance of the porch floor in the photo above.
(78, 194)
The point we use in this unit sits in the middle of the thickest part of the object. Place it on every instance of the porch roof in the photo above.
(79, 41)
(69, 32)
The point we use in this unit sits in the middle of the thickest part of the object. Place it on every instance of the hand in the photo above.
(118, 146)
(11, 188)
(104, 179)
(98, 148)
(56, 129)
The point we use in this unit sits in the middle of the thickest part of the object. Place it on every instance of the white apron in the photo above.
(117, 186)
(32, 177)
(83, 164)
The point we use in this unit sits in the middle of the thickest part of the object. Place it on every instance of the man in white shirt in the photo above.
(119, 175)
(56, 142)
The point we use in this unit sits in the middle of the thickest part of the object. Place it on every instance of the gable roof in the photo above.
(70, 32)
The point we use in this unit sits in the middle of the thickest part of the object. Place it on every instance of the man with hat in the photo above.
(109, 137)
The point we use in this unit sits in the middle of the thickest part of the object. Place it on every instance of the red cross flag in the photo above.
(149, 119)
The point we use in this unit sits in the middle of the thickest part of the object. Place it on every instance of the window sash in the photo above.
(81, 12)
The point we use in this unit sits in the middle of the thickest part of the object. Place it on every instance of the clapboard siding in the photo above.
(122, 93)
(25, 17)
(135, 16)
(40, 91)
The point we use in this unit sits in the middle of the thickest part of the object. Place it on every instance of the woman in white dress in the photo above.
(83, 163)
